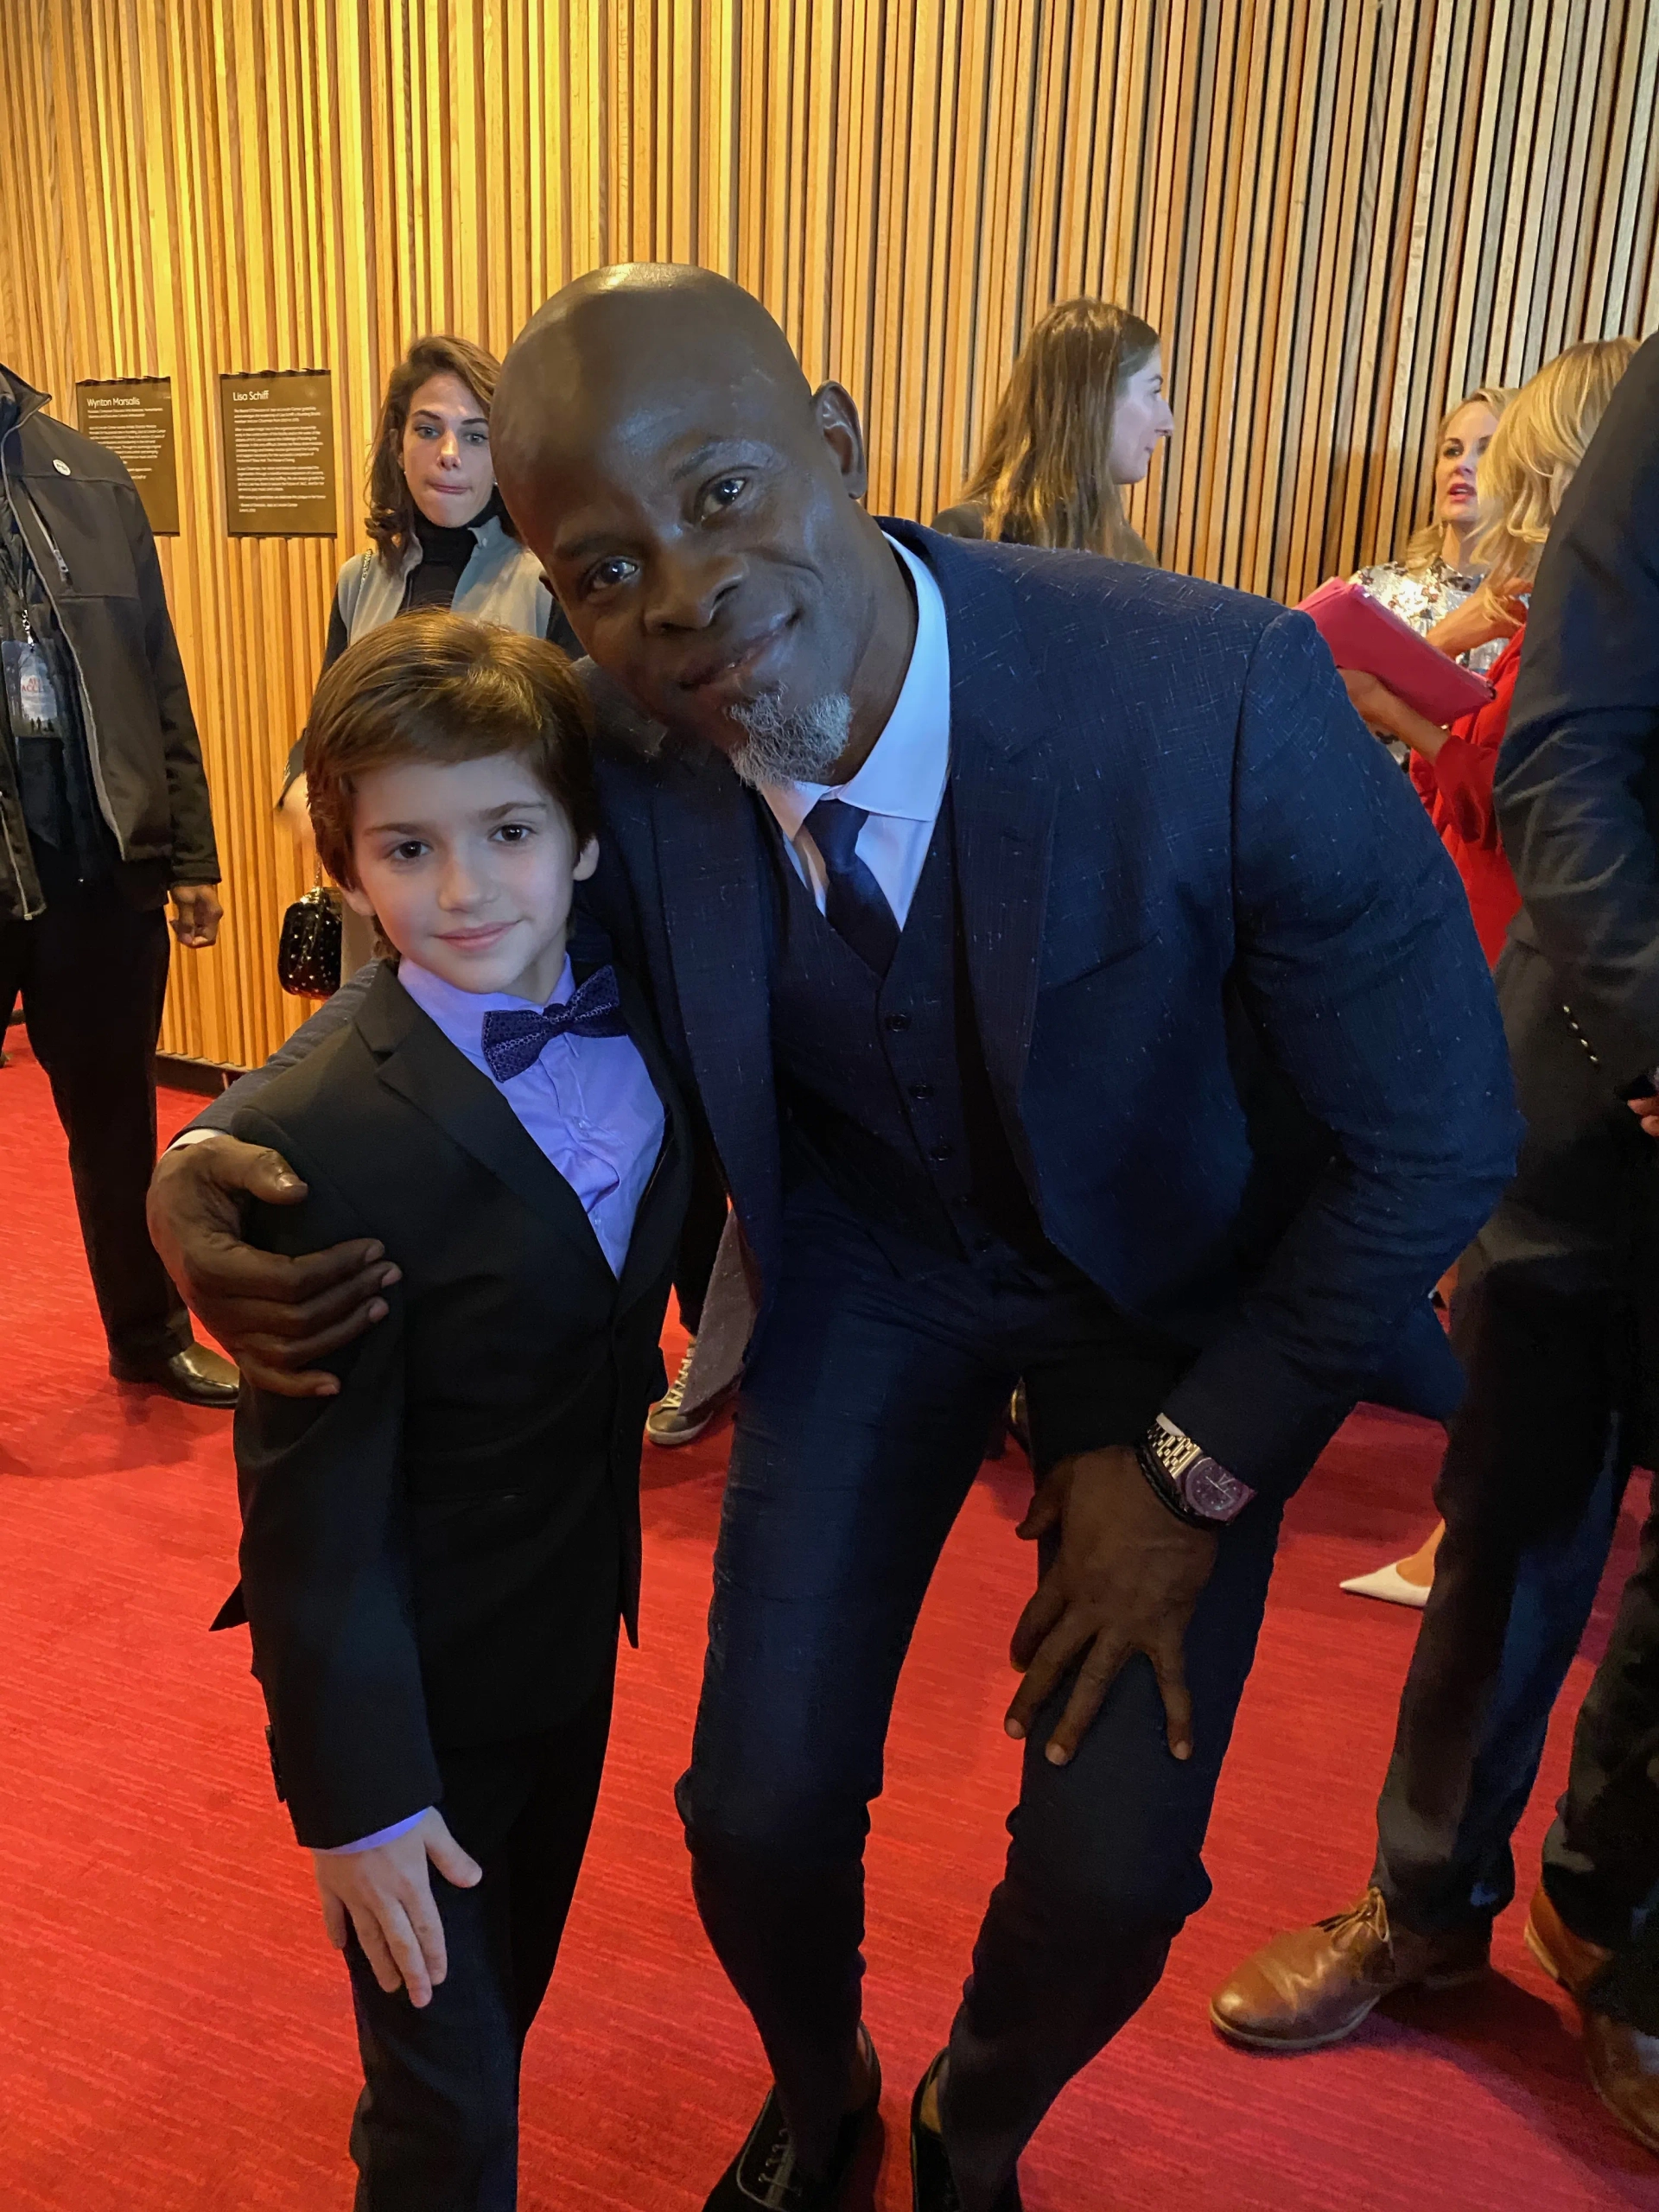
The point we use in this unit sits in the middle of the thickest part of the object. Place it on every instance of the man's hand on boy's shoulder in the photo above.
(276, 1315)
(385, 1894)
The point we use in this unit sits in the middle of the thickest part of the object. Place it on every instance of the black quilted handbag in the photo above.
(307, 955)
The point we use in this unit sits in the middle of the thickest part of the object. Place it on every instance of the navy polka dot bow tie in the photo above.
(513, 1042)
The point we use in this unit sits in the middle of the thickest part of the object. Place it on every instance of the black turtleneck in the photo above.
(445, 552)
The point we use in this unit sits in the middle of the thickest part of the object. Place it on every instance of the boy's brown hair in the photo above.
(439, 687)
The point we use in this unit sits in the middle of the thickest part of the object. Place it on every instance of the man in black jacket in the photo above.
(1577, 802)
(104, 811)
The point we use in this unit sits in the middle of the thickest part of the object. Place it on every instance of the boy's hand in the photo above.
(387, 1895)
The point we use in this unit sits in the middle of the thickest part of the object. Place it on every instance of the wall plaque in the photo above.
(279, 453)
(133, 416)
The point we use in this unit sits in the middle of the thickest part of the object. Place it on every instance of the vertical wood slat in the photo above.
(1340, 213)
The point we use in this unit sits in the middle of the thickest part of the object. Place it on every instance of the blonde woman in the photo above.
(1523, 473)
(1081, 416)
(1436, 584)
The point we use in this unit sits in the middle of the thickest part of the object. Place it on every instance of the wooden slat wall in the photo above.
(1338, 212)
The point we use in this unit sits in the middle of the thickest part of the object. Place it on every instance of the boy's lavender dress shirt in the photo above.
(587, 1105)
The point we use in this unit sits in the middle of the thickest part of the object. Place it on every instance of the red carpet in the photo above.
(173, 2031)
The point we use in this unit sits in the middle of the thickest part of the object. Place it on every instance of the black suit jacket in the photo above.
(437, 1556)
(1577, 778)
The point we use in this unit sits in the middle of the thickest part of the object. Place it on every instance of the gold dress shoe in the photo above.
(1622, 2061)
(1315, 1985)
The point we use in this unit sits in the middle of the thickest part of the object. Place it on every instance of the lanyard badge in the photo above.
(31, 694)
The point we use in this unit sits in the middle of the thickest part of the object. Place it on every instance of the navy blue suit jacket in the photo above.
(1195, 891)
(1237, 1023)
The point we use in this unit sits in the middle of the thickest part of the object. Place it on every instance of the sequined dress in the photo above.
(1423, 596)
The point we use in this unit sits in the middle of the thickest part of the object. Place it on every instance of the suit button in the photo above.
(897, 1021)
(940, 1152)
(922, 1090)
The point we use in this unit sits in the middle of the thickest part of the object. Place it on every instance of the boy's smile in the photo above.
(469, 868)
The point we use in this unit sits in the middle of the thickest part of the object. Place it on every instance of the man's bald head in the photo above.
(696, 507)
(613, 338)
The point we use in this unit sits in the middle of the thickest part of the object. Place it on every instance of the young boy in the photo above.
(435, 1559)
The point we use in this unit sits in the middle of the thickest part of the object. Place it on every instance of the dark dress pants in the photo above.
(436, 2127)
(860, 1429)
(1546, 1322)
(1601, 1857)
(92, 972)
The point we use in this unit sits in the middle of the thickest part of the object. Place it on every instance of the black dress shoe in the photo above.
(763, 2177)
(932, 2185)
(200, 1377)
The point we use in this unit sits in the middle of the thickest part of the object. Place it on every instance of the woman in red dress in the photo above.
(1535, 450)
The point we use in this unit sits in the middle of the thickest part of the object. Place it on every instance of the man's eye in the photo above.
(604, 574)
(410, 849)
(514, 833)
(725, 492)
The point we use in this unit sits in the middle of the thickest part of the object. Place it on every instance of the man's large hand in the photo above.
(1126, 1579)
(275, 1316)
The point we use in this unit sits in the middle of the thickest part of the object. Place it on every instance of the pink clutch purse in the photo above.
(1364, 634)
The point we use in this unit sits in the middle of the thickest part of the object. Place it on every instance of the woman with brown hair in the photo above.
(1081, 416)
(441, 536)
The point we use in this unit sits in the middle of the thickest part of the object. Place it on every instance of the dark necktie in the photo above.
(854, 905)
(515, 1041)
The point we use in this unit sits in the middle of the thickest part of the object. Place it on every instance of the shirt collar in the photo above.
(461, 1013)
(906, 771)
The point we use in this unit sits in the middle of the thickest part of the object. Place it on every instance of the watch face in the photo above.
(1209, 1489)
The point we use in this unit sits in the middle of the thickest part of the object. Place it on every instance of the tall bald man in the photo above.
(968, 882)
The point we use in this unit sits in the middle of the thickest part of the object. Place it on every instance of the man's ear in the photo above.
(359, 902)
(586, 862)
(837, 419)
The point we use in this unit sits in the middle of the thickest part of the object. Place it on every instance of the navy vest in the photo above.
(882, 1081)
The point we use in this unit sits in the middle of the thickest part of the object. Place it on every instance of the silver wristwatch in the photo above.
(1191, 1484)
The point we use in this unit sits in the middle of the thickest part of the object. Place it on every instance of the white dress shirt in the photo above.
(902, 783)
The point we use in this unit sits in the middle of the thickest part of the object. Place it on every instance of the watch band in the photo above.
(1195, 1487)
(1165, 1489)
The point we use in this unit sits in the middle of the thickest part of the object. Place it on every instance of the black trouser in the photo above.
(860, 1429)
(1547, 1322)
(436, 2128)
(1601, 1857)
(91, 971)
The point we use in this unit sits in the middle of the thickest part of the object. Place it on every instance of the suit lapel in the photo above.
(712, 888)
(1003, 800)
(417, 1061)
(662, 1203)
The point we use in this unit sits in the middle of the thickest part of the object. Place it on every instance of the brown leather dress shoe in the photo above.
(1623, 2067)
(1316, 1985)
(1622, 2062)
(1565, 1957)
